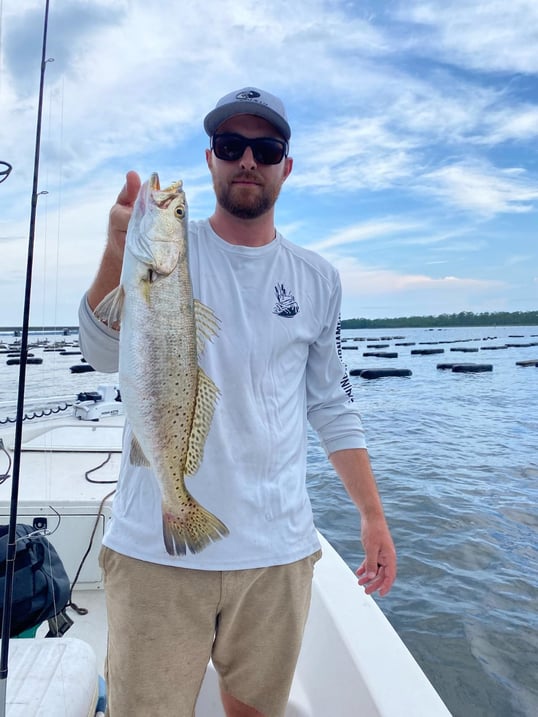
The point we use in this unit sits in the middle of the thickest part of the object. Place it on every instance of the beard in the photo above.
(246, 202)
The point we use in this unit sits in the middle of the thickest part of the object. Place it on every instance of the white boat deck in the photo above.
(352, 661)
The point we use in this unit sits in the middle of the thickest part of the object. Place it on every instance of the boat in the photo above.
(352, 661)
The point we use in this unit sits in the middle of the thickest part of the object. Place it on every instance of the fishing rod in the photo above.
(11, 544)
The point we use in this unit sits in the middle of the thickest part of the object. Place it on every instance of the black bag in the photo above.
(41, 587)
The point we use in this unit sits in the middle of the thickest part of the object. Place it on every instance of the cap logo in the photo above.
(247, 95)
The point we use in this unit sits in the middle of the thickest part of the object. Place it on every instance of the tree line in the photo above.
(463, 318)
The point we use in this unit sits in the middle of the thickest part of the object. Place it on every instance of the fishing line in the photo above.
(5, 167)
(60, 202)
(44, 225)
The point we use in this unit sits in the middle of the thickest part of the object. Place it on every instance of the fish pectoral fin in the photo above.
(110, 309)
(207, 325)
(206, 399)
(136, 454)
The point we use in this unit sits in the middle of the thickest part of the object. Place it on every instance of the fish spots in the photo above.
(179, 399)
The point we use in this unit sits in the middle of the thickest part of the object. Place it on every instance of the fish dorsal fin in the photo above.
(207, 325)
(109, 309)
(206, 399)
(136, 454)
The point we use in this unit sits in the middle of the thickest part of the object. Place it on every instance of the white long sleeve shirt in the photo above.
(277, 363)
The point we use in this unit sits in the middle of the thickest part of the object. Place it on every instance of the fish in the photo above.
(168, 398)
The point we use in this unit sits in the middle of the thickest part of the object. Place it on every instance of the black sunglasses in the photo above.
(266, 150)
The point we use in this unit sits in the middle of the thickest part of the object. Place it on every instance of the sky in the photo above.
(414, 138)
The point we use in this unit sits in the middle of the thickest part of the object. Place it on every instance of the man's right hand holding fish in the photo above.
(108, 276)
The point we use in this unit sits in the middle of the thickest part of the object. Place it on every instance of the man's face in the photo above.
(246, 188)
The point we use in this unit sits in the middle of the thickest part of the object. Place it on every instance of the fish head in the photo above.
(157, 230)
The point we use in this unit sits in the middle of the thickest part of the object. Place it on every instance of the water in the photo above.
(456, 460)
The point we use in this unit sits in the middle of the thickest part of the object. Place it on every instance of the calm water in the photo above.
(456, 458)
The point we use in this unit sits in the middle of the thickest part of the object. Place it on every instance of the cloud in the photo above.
(109, 98)
(352, 153)
(488, 36)
(409, 294)
(358, 280)
(518, 122)
(363, 231)
(414, 126)
(480, 187)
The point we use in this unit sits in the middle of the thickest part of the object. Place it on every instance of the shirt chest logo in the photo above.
(286, 305)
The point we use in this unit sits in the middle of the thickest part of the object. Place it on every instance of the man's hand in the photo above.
(108, 275)
(121, 213)
(378, 569)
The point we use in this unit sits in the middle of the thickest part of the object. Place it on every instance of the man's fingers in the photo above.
(381, 580)
(368, 570)
(130, 189)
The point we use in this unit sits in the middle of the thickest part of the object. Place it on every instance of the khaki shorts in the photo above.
(165, 623)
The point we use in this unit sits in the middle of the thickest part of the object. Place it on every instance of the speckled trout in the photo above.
(168, 398)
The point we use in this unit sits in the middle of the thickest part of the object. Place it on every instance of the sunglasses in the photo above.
(266, 150)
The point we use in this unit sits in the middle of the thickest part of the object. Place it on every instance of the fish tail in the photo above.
(191, 528)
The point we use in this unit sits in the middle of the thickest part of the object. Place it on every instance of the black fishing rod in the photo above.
(11, 545)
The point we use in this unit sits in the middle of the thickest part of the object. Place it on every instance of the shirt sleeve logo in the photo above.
(345, 382)
(285, 303)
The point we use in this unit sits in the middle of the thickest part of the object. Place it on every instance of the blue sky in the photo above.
(414, 137)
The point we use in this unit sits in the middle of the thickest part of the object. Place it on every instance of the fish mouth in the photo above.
(155, 185)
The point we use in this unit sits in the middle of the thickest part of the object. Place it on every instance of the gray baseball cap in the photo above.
(249, 101)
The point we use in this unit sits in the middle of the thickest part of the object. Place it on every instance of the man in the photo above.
(243, 600)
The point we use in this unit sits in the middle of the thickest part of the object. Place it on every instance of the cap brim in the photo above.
(220, 114)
